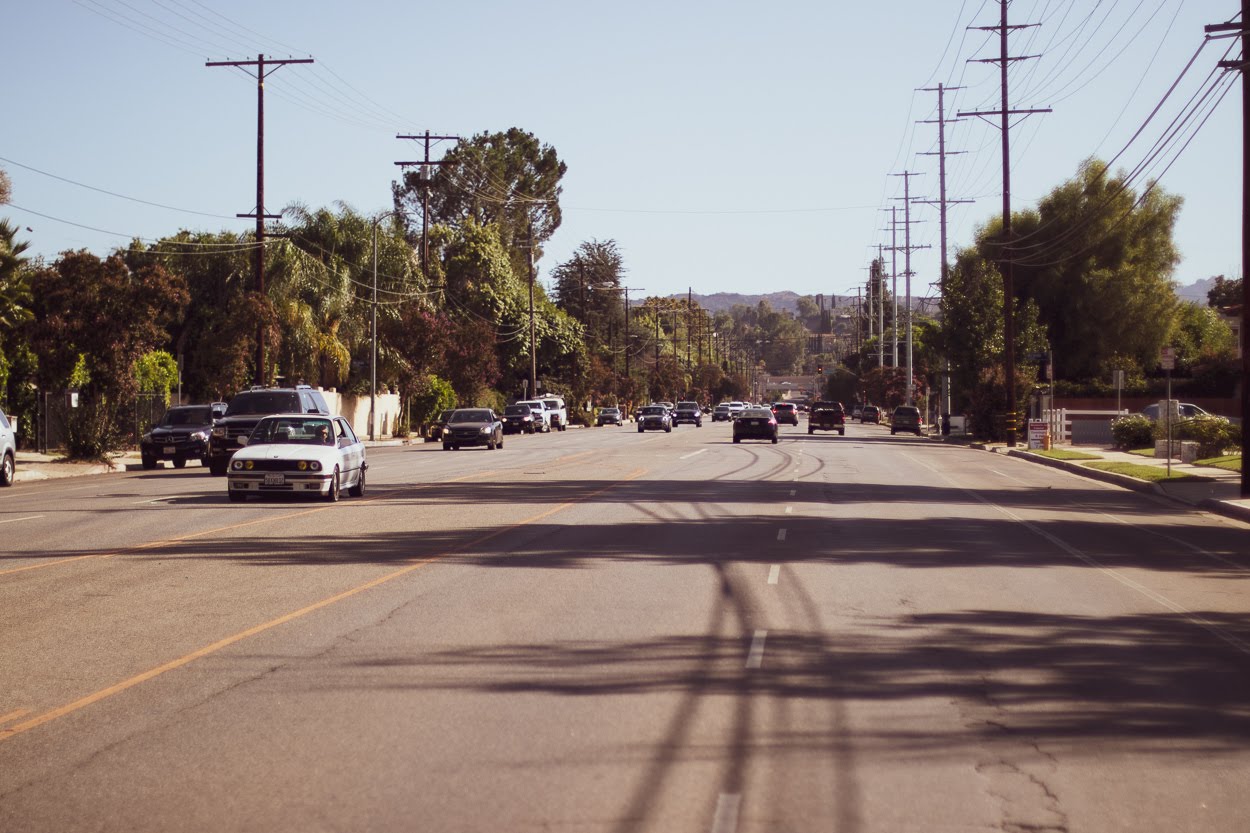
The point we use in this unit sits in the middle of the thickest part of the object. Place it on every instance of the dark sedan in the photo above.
(181, 435)
(519, 419)
(755, 424)
(473, 426)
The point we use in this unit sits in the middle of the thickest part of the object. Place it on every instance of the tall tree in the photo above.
(1225, 293)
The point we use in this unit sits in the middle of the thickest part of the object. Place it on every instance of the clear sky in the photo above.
(725, 146)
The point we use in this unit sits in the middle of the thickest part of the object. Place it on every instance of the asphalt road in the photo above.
(599, 630)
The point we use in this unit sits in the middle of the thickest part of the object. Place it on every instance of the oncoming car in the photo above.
(298, 454)
(655, 418)
(473, 426)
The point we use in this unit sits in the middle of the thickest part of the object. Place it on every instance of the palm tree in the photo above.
(15, 294)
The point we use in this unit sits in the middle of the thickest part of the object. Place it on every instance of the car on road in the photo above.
(298, 454)
(786, 412)
(755, 423)
(1188, 411)
(8, 451)
(245, 412)
(654, 418)
(541, 422)
(721, 413)
(735, 408)
(181, 435)
(688, 412)
(473, 426)
(439, 425)
(518, 419)
(609, 416)
(870, 413)
(557, 414)
(907, 418)
(827, 416)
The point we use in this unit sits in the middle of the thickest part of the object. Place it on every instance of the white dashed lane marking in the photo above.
(774, 572)
(756, 655)
(726, 818)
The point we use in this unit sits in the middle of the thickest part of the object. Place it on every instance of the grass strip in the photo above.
(1143, 452)
(1064, 454)
(1230, 462)
(1152, 474)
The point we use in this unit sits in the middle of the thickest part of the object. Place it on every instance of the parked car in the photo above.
(182, 434)
(541, 422)
(8, 451)
(245, 412)
(519, 419)
(786, 412)
(827, 416)
(654, 418)
(870, 413)
(473, 426)
(557, 414)
(755, 423)
(721, 413)
(298, 454)
(688, 412)
(609, 416)
(907, 418)
(1188, 411)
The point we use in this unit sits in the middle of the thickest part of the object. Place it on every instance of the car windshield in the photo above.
(445, 415)
(264, 403)
(517, 410)
(304, 431)
(471, 416)
(609, 410)
(688, 406)
(654, 410)
(187, 416)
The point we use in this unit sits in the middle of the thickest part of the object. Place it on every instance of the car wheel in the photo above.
(237, 495)
(774, 439)
(668, 430)
(149, 462)
(490, 445)
(333, 494)
(640, 429)
(446, 446)
(737, 439)
(500, 443)
(180, 462)
(7, 470)
(892, 432)
(811, 430)
(217, 469)
(358, 490)
(842, 432)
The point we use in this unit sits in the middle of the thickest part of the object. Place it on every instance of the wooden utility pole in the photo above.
(260, 64)
(1005, 263)
(907, 250)
(1243, 26)
(424, 176)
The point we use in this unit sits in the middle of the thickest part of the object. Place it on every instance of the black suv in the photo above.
(248, 408)
(181, 435)
(688, 412)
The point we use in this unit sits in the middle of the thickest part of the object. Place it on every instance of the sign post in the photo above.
(1167, 360)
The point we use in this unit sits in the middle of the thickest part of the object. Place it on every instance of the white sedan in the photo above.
(298, 454)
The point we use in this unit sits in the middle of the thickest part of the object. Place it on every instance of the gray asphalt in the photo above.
(605, 631)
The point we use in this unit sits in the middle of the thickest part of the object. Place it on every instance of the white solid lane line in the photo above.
(27, 518)
(781, 534)
(756, 655)
(789, 510)
(774, 572)
(726, 818)
(692, 454)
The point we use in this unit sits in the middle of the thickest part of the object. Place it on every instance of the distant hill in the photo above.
(1196, 291)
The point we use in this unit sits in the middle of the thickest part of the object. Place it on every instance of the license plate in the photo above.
(275, 478)
(169, 449)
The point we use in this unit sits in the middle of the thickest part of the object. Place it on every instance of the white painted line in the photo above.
(781, 535)
(1001, 474)
(774, 572)
(789, 510)
(756, 655)
(726, 818)
(27, 518)
(793, 493)
(692, 454)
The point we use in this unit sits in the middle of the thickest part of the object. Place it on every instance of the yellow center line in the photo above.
(214, 647)
(13, 715)
(172, 541)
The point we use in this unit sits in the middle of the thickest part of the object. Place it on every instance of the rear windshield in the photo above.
(188, 416)
(264, 403)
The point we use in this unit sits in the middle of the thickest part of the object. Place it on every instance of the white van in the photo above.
(557, 414)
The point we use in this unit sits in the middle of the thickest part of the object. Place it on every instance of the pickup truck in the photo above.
(827, 416)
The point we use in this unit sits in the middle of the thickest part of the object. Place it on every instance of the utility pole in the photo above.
(533, 391)
(1243, 27)
(424, 176)
(942, 202)
(880, 306)
(260, 63)
(907, 250)
(1005, 263)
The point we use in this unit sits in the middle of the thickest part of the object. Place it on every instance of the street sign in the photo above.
(1167, 358)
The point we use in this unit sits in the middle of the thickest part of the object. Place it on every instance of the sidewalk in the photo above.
(1218, 492)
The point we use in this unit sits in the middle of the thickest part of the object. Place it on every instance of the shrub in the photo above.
(1132, 431)
(1214, 434)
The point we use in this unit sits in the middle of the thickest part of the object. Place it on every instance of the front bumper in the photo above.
(279, 483)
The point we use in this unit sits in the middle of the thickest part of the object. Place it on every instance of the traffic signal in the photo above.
(820, 369)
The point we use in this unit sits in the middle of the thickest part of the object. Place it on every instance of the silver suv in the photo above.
(8, 452)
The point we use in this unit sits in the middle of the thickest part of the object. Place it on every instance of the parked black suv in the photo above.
(181, 435)
(247, 408)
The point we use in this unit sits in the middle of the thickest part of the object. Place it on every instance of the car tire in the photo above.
(180, 462)
(358, 490)
(499, 445)
(490, 445)
(237, 495)
(737, 439)
(332, 494)
(668, 430)
(446, 446)
(811, 430)
(148, 461)
(217, 469)
(8, 471)
(640, 429)
(841, 432)
(774, 439)
(892, 432)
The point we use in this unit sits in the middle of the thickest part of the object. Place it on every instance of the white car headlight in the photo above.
(200, 435)
(486, 429)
